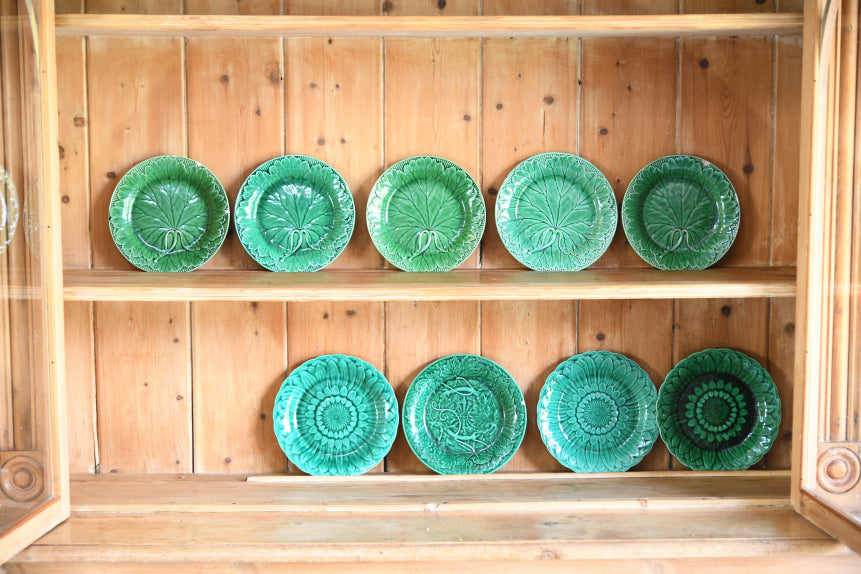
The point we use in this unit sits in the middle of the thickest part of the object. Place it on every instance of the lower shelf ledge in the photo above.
(540, 519)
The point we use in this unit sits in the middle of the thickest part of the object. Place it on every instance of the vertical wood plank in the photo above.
(143, 387)
(80, 387)
(232, 7)
(416, 335)
(781, 362)
(133, 6)
(529, 339)
(529, 107)
(430, 8)
(432, 106)
(6, 423)
(725, 6)
(238, 366)
(333, 7)
(142, 349)
(641, 330)
(740, 324)
(534, 8)
(725, 117)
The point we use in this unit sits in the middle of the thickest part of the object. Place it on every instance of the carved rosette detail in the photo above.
(22, 478)
(838, 469)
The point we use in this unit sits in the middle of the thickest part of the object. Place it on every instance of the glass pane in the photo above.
(25, 479)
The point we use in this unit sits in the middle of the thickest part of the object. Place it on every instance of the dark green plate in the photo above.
(294, 213)
(335, 415)
(597, 412)
(426, 213)
(464, 414)
(168, 213)
(680, 212)
(556, 212)
(718, 409)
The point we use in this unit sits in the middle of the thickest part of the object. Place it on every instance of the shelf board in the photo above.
(464, 285)
(669, 25)
(531, 520)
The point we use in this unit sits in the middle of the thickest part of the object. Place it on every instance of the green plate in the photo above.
(680, 212)
(168, 213)
(718, 409)
(426, 213)
(294, 213)
(597, 413)
(556, 212)
(335, 415)
(8, 209)
(464, 414)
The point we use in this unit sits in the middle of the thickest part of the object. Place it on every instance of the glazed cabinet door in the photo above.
(827, 456)
(33, 468)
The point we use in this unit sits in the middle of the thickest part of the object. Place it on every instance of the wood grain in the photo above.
(143, 387)
(81, 388)
(724, 117)
(239, 363)
(529, 106)
(235, 117)
(133, 6)
(416, 335)
(781, 358)
(233, 7)
(529, 339)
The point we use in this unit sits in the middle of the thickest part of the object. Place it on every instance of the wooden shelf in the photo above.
(473, 285)
(530, 520)
(670, 25)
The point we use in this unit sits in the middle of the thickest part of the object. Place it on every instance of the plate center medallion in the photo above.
(463, 416)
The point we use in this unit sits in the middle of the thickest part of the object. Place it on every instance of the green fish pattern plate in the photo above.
(597, 412)
(335, 415)
(680, 212)
(426, 213)
(168, 213)
(464, 414)
(294, 213)
(718, 409)
(556, 212)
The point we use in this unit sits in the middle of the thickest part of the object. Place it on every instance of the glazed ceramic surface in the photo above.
(680, 212)
(168, 213)
(464, 414)
(426, 214)
(8, 209)
(294, 213)
(556, 211)
(335, 415)
(718, 409)
(597, 412)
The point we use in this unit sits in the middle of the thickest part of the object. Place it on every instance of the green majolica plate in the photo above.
(556, 212)
(464, 414)
(168, 213)
(597, 413)
(718, 409)
(294, 213)
(8, 209)
(426, 213)
(680, 212)
(335, 415)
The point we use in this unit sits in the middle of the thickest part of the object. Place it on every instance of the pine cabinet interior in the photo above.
(170, 379)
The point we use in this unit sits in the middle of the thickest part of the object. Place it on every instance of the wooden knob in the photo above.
(838, 470)
(22, 478)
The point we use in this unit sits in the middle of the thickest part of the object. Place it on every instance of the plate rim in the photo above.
(651, 408)
(636, 242)
(271, 263)
(410, 404)
(754, 448)
(141, 165)
(375, 195)
(394, 416)
(506, 190)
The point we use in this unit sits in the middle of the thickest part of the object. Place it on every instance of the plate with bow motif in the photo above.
(294, 213)
(680, 212)
(168, 213)
(426, 213)
(335, 415)
(464, 414)
(718, 409)
(597, 412)
(556, 212)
